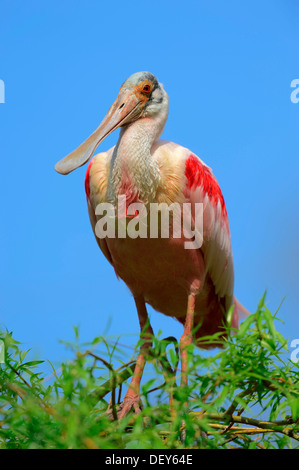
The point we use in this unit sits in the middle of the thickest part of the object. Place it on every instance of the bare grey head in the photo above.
(140, 96)
(148, 84)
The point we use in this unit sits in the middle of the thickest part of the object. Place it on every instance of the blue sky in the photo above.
(227, 67)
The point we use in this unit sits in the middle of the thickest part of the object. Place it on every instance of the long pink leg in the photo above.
(132, 397)
(186, 338)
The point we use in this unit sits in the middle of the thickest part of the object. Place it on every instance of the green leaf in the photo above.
(294, 405)
(173, 358)
(32, 363)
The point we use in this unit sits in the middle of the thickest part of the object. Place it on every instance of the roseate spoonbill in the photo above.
(195, 286)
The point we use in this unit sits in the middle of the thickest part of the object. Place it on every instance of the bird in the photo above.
(194, 285)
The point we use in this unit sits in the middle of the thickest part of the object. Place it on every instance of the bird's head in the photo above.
(140, 96)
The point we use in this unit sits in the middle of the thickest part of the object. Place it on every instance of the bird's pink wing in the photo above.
(202, 187)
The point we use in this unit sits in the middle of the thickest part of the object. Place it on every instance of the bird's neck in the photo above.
(133, 170)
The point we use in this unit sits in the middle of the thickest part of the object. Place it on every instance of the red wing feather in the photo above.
(202, 187)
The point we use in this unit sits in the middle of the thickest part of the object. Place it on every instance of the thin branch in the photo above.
(254, 422)
(235, 403)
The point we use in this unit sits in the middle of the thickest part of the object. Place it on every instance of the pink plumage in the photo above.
(195, 286)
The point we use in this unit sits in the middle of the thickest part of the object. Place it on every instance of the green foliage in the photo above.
(246, 395)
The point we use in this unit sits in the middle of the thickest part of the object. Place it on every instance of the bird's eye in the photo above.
(146, 88)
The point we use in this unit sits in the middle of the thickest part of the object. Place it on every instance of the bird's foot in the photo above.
(130, 403)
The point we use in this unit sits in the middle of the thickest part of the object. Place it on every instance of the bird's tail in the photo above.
(240, 312)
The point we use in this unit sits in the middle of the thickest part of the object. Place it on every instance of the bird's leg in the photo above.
(186, 338)
(132, 397)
